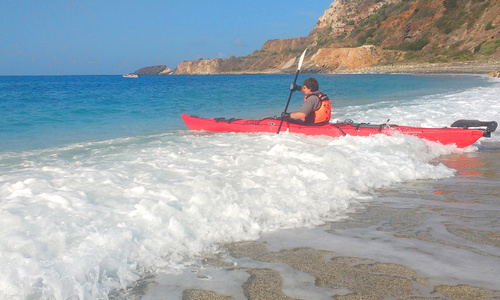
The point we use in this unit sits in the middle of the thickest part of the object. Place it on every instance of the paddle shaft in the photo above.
(291, 91)
(288, 102)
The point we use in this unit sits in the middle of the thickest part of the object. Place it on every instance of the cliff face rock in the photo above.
(355, 34)
(349, 59)
(447, 29)
(338, 18)
(203, 67)
(494, 74)
(281, 45)
(166, 71)
(257, 63)
(324, 60)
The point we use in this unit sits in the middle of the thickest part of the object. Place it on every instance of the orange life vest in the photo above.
(323, 113)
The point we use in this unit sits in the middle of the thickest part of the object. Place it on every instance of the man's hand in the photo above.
(285, 116)
(294, 87)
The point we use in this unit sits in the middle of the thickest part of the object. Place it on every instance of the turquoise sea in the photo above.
(102, 184)
(46, 111)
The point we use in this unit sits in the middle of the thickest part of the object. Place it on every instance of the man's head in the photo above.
(312, 84)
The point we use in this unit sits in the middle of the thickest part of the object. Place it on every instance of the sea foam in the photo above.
(90, 218)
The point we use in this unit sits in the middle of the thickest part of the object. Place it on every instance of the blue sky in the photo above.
(77, 37)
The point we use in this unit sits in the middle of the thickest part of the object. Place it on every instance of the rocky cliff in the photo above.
(440, 30)
(356, 34)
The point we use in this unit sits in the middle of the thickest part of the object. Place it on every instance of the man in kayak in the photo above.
(316, 108)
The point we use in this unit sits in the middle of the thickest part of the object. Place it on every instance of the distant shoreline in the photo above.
(469, 67)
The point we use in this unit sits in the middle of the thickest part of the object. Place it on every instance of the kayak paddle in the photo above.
(291, 92)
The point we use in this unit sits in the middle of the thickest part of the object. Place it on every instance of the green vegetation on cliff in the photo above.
(426, 29)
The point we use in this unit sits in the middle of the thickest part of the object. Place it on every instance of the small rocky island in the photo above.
(154, 70)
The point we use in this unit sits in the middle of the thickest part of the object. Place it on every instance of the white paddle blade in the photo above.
(301, 59)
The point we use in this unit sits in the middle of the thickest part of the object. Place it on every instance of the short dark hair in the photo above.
(312, 84)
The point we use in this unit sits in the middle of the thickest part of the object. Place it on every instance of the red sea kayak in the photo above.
(462, 133)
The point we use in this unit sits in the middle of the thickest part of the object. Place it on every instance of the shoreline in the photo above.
(466, 67)
(469, 67)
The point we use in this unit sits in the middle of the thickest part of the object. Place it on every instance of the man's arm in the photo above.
(298, 115)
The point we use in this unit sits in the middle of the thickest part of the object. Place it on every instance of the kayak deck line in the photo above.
(462, 133)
